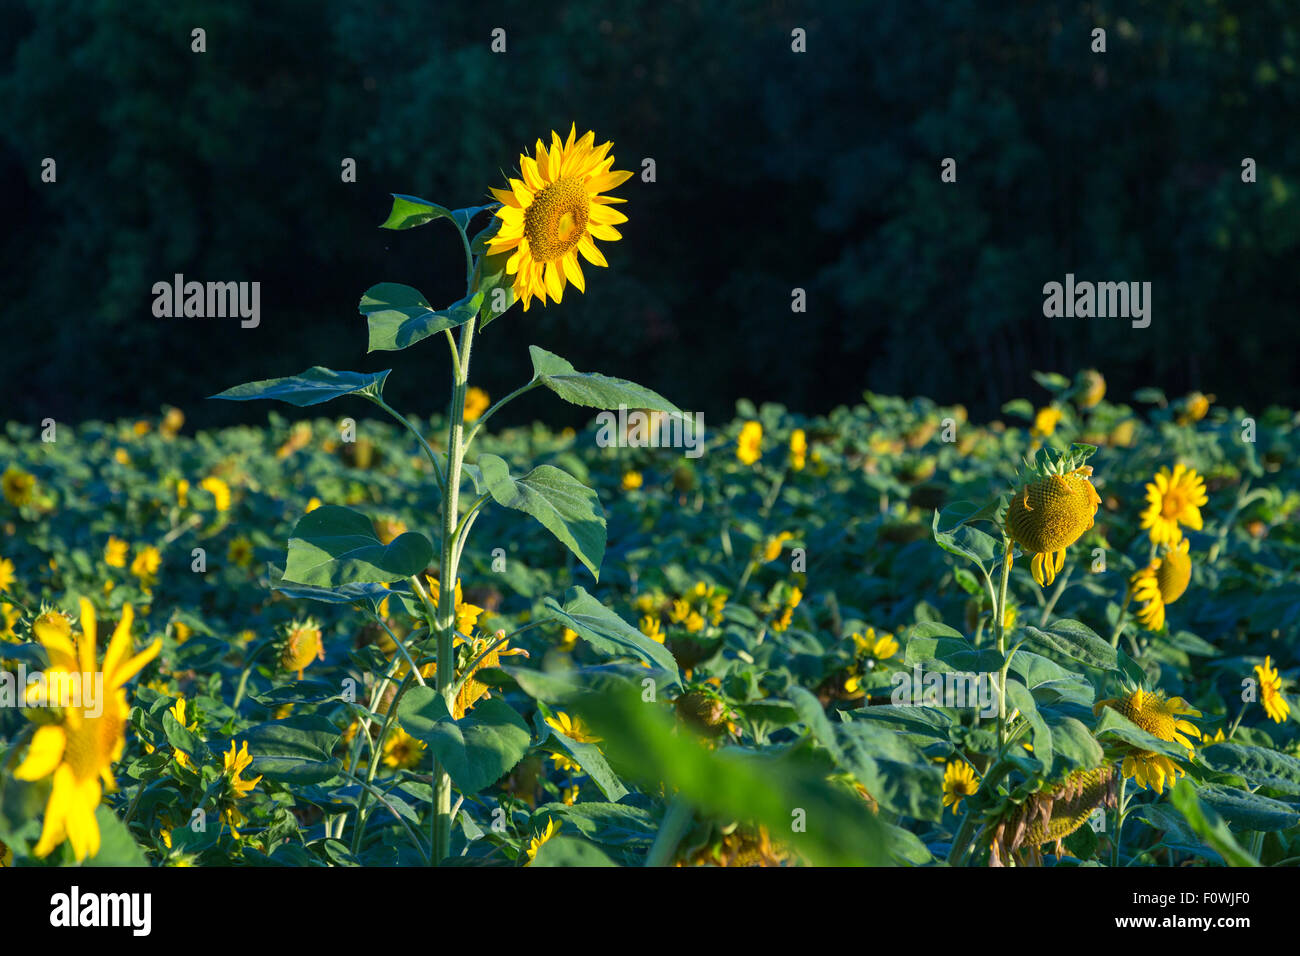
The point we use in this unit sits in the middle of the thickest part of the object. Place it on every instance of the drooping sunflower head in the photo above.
(1091, 388)
(1051, 815)
(1161, 583)
(1174, 499)
(301, 645)
(1161, 717)
(1051, 511)
(554, 211)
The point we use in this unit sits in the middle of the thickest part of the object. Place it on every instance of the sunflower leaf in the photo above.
(591, 389)
(317, 384)
(399, 316)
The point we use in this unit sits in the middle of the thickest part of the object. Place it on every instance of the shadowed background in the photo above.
(775, 170)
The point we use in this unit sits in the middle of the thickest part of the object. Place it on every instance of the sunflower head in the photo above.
(1161, 717)
(1174, 499)
(1090, 388)
(301, 645)
(1161, 583)
(1051, 511)
(554, 211)
(1051, 815)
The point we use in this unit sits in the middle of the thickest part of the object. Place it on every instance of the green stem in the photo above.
(1120, 811)
(1123, 617)
(999, 624)
(1061, 582)
(447, 574)
(677, 820)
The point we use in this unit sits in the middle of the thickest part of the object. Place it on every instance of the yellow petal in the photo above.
(44, 755)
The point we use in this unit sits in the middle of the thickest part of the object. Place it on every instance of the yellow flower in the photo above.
(477, 402)
(564, 764)
(1122, 434)
(121, 457)
(958, 782)
(632, 480)
(17, 486)
(115, 552)
(177, 710)
(182, 493)
(302, 645)
(181, 631)
(172, 422)
(145, 566)
(6, 574)
(1160, 718)
(1216, 738)
(798, 449)
(1174, 499)
(234, 765)
(389, 529)
(1195, 407)
(1161, 583)
(793, 597)
(554, 212)
(219, 490)
(772, 548)
(467, 615)
(881, 648)
(1050, 514)
(1270, 689)
(568, 639)
(569, 796)
(79, 749)
(572, 727)
(1045, 421)
(1093, 387)
(240, 552)
(401, 750)
(536, 844)
(9, 616)
(749, 448)
(651, 628)
(312, 505)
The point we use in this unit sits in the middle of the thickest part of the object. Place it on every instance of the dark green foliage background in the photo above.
(774, 171)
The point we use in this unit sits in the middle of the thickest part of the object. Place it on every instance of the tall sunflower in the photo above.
(80, 747)
(1161, 583)
(1174, 499)
(552, 214)
(1161, 718)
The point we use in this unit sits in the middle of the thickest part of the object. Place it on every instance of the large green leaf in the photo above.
(608, 633)
(591, 389)
(789, 793)
(565, 506)
(370, 593)
(477, 750)
(1115, 725)
(317, 384)
(1258, 766)
(1249, 811)
(333, 546)
(568, 851)
(411, 211)
(1019, 697)
(399, 316)
(895, 773)
(1076, 641)
(116, 845)
(295, 750)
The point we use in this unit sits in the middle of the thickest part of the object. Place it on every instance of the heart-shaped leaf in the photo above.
(565, 506)
(591, 389)
(477, 750)
(333, 546)
(400, 316)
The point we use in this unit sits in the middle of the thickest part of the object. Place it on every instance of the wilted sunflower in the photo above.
(1174, 499)
(1161, 583)
(79, 749)
(1051, 512)
(1160, 718)
(1051, 815)
(554, 212)
(1270, 691)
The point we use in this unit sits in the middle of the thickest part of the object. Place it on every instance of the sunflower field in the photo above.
(890, 635)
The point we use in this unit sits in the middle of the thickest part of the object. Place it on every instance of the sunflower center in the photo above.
(556, 219)
(90, 746)
(1173, 504)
